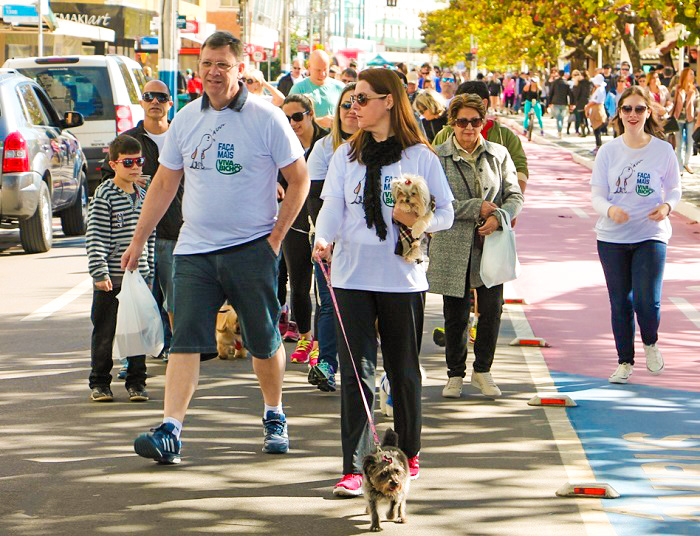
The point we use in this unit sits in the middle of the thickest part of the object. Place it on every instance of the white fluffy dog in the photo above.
(411, 195)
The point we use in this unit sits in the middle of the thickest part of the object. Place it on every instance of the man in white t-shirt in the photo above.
(230, 146)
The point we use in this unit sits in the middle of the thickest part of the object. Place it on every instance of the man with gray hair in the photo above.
(230, 145)
(323, 90)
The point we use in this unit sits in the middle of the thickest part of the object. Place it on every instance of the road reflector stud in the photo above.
(594, 490)
(519, 301)
(530, 341)
(552, 400)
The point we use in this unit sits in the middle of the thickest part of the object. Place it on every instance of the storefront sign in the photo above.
(92, 20)
(20, 14)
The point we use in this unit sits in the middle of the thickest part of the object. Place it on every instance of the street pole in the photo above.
(167, 49)
(285, 49)
(40, 14)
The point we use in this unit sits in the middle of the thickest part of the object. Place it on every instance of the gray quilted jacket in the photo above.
(452, 249)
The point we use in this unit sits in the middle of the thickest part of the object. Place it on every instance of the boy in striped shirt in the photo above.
(114, 212)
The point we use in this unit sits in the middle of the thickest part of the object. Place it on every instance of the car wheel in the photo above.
(74, 218)
(36, 233)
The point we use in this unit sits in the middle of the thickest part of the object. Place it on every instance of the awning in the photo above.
(84, 31)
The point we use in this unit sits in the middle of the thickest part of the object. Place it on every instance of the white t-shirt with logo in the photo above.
(636, 180)
(361, 261)
(230, 159)
(158, 139)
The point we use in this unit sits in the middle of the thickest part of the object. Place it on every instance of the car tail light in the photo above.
(15, 157)
(124, 119)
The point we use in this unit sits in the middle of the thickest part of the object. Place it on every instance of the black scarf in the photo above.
(376, 155)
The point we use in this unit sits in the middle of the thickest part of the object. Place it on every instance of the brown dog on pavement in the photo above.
(229, 342)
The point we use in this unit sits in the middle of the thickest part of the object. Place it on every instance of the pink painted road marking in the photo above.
(562, 279)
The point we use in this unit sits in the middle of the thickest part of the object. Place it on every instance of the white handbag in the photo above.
(499, 258)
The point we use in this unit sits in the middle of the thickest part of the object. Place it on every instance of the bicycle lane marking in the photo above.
(573, 456)
(569, 309)
(59, 303)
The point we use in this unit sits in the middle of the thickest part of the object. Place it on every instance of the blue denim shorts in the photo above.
(246, 276)
(164, 271)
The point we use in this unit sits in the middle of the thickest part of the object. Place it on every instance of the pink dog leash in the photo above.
(327, 277)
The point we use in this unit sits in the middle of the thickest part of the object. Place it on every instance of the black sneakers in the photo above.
(160, 444)
(137, 394)
(101, 394)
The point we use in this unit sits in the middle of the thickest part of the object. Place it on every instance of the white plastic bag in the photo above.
(139, 326)
(499, 258)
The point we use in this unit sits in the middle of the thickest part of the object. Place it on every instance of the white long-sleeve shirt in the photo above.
(636, 180)
(361, 261)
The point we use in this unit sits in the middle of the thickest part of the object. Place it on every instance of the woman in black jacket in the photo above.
(296, 246)
(582, 92)
(431, 106)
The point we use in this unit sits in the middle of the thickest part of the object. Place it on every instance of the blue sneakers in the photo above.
(276, 438)
(323, 376)
(160, 444)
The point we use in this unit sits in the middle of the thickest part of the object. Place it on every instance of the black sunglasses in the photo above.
(627, 109)
(346, 105)
(462, 122)
(298, 116)
(129, 162)
(363, 99)
(160, 97)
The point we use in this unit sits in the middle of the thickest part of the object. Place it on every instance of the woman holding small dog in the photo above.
(371, 282)
(483, 178)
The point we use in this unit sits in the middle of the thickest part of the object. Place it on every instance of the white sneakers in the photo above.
(453, 389)
(484, 381)
(655, 362)
(655, 365)
(622, 373)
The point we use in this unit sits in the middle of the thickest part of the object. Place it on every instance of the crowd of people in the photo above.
(294, 182)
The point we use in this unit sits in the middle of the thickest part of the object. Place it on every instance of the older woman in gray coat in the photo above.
(482, 177)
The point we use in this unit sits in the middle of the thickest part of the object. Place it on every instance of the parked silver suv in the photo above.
(44, 171)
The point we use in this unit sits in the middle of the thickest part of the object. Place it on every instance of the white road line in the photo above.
(568, 444)
(60, 302)
(578, 211)
(688, 310)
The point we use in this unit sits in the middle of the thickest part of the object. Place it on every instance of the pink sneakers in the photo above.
(292, 333)
(313, 355)
(303, 349)
(413, 464)
(349, 486)
(284, 321)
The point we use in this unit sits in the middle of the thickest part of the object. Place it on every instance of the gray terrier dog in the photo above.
(386, 478)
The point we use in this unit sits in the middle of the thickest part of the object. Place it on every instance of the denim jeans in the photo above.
(325, 321)
(634, 274)
(559, 112)
(684, 136)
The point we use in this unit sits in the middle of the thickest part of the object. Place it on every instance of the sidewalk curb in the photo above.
(683, 208)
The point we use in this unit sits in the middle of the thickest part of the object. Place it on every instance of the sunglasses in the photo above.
(462, 122)
(363, 99)
(298, 117)
(346, 105)
(129, 162)
(160, 97)
(450, 80)
(627, 109)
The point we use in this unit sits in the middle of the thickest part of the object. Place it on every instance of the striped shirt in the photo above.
(112, 220)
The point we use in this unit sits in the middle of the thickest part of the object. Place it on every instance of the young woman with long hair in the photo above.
(685, 108)
(635, 186)
(372, 283)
